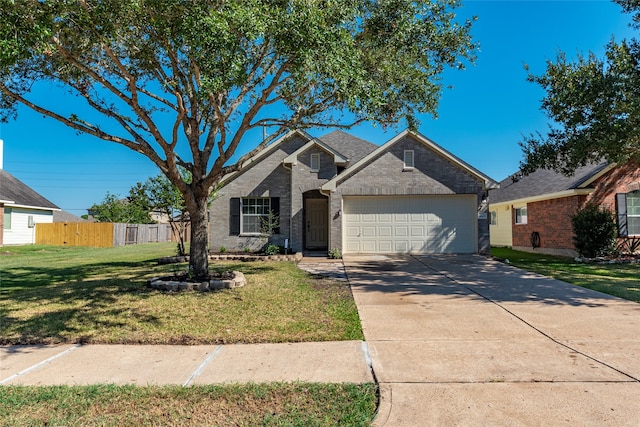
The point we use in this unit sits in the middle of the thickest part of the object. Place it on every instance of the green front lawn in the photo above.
(621, 280)
(71, 295)
(233, 405)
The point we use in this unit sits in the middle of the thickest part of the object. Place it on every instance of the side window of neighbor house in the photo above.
(521, 215)
(494, 217)
(315, 162)
(633, 212)
(628, 212)
(254, 211)
(408, 159)
(7, 218)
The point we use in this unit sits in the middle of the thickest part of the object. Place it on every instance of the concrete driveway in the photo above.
(464, 340)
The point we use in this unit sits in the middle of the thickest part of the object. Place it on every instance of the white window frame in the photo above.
(250, 204)
(635, 196)
(493, 217)
(7, 214)
(409, 159)
(519, 218)
(315, 158)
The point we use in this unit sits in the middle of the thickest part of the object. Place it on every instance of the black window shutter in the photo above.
(621, 209)
(275, 208)
(234, 216)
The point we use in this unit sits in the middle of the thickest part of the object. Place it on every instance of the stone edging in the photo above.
(235, 257)
(172, 285)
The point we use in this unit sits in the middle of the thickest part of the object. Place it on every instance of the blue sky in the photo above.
(481, 120)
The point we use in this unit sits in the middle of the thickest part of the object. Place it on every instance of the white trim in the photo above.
(332, 184)
(541, 197)
(597, 175)
(40, 208)
(525, 216)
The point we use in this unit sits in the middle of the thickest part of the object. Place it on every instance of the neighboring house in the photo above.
(533, 212)
(64, 216)
(342, 192)
(21, 208)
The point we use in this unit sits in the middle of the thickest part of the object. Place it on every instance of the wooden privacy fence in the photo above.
(101, 234)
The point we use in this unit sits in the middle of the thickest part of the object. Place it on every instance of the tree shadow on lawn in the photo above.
(68, 304)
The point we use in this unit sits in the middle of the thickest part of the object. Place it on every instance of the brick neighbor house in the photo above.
(533, 212)
(341, 192)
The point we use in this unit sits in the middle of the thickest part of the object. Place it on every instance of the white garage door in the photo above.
(410, 224)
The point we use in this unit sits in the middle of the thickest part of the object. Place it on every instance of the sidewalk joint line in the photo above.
(39, 364)
(202, 365)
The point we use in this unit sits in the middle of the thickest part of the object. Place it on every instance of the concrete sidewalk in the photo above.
(331, 362)
(464, 340)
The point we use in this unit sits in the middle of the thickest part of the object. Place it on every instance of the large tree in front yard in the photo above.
(183, 81)
(594, 104)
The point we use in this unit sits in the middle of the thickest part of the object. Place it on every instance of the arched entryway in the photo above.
(316, 221)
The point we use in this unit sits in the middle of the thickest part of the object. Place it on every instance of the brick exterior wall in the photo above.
(266, 178)
(619, 180)
(552, 220)
(384, 175)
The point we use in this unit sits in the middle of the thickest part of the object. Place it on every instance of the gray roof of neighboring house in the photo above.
(64, 216)
(351, 147)
(18, 193)
(542, 181)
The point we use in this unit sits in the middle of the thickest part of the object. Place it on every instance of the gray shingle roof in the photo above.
(542, 181)
(14, 190)
(352, 147)
(64, 216)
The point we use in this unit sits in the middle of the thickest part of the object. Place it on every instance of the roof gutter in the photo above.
(541, 197)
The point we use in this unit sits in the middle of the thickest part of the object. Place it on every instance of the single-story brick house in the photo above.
(341, 192)
(536, 209)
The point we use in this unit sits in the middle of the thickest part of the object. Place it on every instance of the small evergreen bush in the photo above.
(594, 231)
(272, 249)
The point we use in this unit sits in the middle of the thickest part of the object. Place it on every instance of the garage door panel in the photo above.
(385, 231)
(401, 246)
(385, 217)
(369, 246)
(368, 217)
(417, 231)
(401, 231)
(416, 217)
(385, 246)
(353, 247)
(368, 231)
(417, 224)
(400, 217)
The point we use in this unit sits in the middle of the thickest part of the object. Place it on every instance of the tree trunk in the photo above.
(199, 250)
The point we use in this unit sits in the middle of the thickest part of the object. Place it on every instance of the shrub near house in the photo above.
(542, 203)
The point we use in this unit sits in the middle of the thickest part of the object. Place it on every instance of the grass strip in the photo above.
(274, 404)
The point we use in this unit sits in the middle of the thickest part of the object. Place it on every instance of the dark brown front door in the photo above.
(316, 227)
